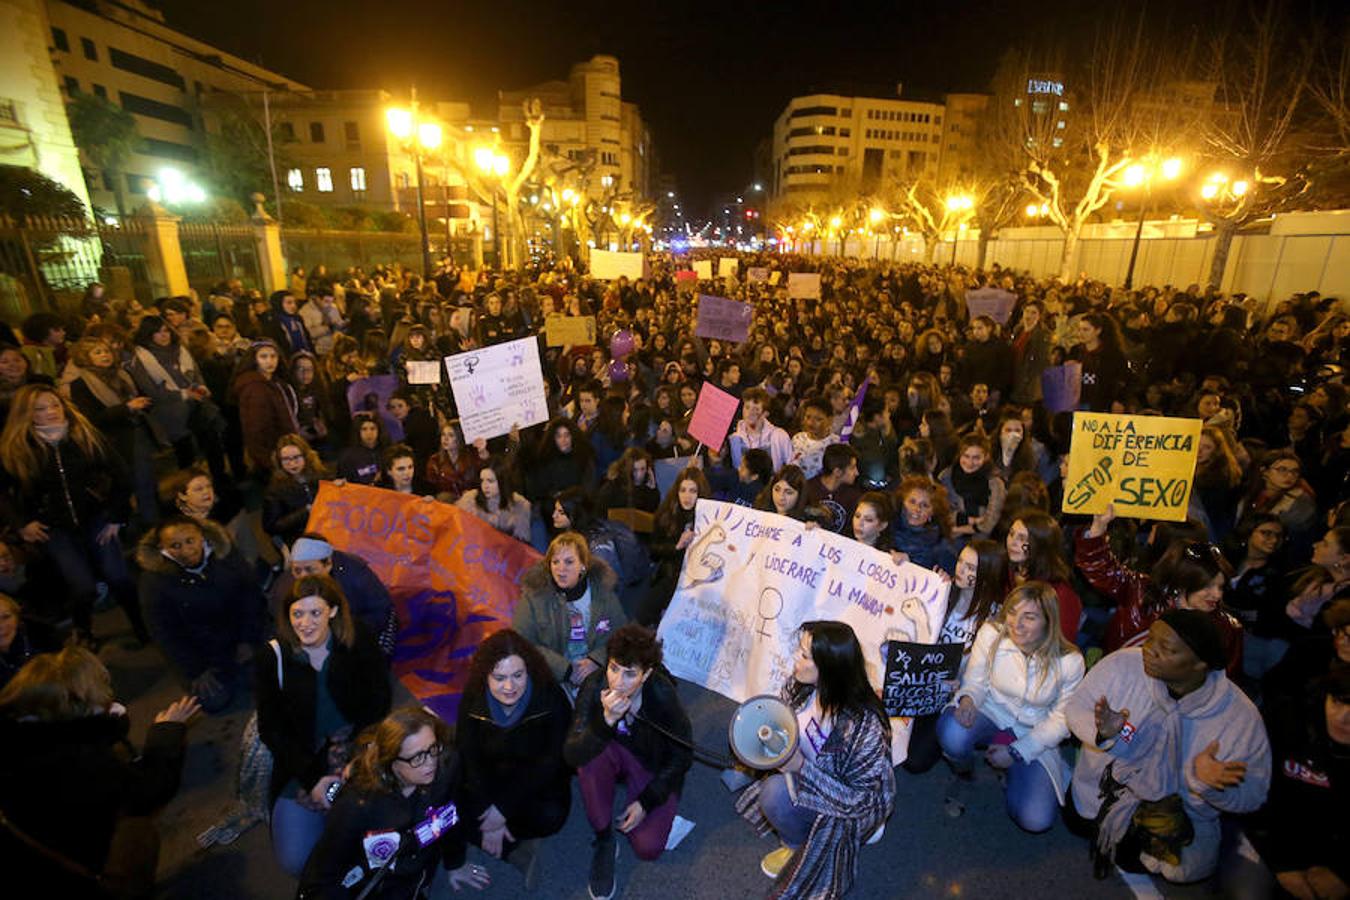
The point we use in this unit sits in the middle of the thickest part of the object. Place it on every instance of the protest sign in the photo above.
(498, 387)
(1143, 464)
(667, 470)
(728, 266)
(757, 274)
(454, 579)
(703, 269)
(723, 319)
(919, 677)
(424, 371)
(804, 284)
(1062, 387)
(569, 331)
(992, 302)
(751, 578)
(607, 265)
(712, 415)
(775, 277)
(371, 395)
(686, 281)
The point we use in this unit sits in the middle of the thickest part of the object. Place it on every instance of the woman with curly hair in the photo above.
(296, 472)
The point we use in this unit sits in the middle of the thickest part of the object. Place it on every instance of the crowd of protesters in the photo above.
(1156, 685)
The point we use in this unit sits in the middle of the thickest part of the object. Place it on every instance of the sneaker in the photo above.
(602, 865)
(773, 863)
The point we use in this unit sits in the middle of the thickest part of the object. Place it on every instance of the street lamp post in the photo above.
(417, 136)
(495, 165)
(958, 204)
(1143, 174)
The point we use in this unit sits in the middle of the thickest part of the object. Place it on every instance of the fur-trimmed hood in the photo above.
(538, 580)
(150, 559)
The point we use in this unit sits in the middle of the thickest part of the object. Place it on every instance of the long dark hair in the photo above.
(991, 579)
(842, 679)
(1045, 547)
(668, 513)
(795, 478)
(145, 332)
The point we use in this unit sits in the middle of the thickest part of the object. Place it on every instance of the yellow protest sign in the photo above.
(1145, 465)
(569, 331)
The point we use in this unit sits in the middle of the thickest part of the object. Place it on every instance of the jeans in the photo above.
(600, 776)
(295, 831)
(1030, 798)
(792, 822)
(83, 562)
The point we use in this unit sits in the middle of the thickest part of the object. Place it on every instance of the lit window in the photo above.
(358, 178)
(1063, 107)
(295, 180)
(323, 180)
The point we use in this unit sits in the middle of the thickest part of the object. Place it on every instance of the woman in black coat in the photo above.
(672, 533)
(71, 781)
(296, 471)
(513, 721)
(320, 683)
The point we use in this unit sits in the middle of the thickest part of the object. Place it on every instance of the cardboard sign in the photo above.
(703, 269)
(1062, 387)
(751, 578)
(424, 371)
(992, 302)
(775, 277)
(712, 416)
(569, 331)
(453, 577)
(757, 274)
(919, 677)
(727, 266)
(723, 319)
(371, 395)
(1145, 465)
(498, 387)
(804, 284)
(607, 265)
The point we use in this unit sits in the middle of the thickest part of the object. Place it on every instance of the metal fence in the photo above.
(47, 262)
(341, 250)
(215, 253)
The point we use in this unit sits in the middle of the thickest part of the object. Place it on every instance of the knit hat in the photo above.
(1200, 633)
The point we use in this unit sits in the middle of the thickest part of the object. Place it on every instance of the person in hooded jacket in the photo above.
(181, 404)
(284, 326)
(267, 404)
(202, 605)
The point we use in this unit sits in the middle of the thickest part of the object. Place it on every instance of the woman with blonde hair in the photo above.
(296, 472)
(71, 491)
(405, 774)
(1020, 675)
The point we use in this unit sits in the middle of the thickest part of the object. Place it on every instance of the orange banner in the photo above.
(454, 578)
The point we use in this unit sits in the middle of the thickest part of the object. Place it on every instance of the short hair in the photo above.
(759, 462)
(837, 456)
(393, 453)
(569, 540)
(634, 645)
(755, 395)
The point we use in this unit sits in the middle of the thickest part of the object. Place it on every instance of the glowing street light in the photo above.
(835, 221)
(418, 136)
(876, 215)
(1143, 174)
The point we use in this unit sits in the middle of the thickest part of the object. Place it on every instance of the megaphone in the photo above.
(763, 732)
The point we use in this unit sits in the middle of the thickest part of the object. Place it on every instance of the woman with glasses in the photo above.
(1282, 491)
(296, 471)
(404, 779)
(1189, 575)
(1257, 591)
(320, 682)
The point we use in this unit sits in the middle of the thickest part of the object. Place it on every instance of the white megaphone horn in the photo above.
(763, 732)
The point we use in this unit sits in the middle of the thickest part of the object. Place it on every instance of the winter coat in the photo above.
(359, 465)
(267, 410)
(1216, 711)
(541, 614)
(1031, 357)
(72, 491)
(163, 377)
(65, 783)
(356, 814)
(454, 478)
(1138, 603)
(1007, 687)
(667, 760)
(851, 788)
(1106, 376)
(286, 506)
(925, 546)
(513, 519)
(547, 477)
(519, 768)
(358, 679)
(323, 324)
(985, 520)
(199, 618)
(989, 363)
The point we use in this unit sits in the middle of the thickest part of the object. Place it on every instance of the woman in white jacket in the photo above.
(1021, 673)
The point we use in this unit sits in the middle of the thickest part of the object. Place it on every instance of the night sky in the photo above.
(710, 78)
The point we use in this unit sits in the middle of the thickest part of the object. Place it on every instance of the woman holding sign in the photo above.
(1021, 673)
(838, 789)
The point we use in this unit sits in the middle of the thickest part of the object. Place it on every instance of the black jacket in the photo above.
(355, 814)
(65, 783)
(286, 508)
(667, 759)
(518, 768)
(358, 678)
(73, 490)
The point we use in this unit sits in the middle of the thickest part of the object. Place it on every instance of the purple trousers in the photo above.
(600, 776)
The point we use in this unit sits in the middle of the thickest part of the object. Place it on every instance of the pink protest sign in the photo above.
(712, 415)
(723, 319)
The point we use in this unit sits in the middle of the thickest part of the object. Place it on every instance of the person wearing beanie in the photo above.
(1169, 746)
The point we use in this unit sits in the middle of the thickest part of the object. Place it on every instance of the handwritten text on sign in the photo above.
(569, 331)
(1145, 465)
(498, 387)
(751, 578)
(723, 319)
(919, 677)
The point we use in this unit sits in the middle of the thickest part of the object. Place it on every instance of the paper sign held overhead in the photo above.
(804, 284)
(1145, 465)
(723, 319)
(757, 274)
(607, 265)
(992, 302)
(728, 266)
(712, 415)
(569, 331)
(703, 269)
(775, 277)
(497, 387)
(424, 371)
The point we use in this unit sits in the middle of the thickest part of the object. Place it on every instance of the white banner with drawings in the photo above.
(750, 579)
(497, 387)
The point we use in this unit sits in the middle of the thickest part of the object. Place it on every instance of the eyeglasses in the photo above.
(421, 757)
(292, 457)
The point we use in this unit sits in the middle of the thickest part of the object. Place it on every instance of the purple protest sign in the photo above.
(992, 302)
(372, 394)
(1062, 387)
(712, 415)
(723, 319)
